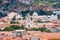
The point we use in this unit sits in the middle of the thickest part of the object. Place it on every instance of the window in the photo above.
(26, 39)
(3, 34)
(28, 25)
(18, 39)
(35, 38)
(13, 37)
(6, 35)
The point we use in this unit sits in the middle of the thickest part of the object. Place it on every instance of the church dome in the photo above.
(35, 14)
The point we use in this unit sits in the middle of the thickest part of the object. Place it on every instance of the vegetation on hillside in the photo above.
(46, 2)
(12, 28)
(13, 6)
(16, 27)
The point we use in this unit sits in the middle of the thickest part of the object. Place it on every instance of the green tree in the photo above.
(16, 27)
(13, 27)
(22, 27)
(42, 29)
(0, 30)
(27, 29)
(34, 29)
(8, 29)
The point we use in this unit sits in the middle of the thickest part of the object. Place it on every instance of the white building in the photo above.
(11, 15)
(19, 17)
(54, 17)
(28, 20)
(57, 13)
(35, 16)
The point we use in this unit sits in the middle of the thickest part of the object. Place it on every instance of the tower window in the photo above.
(28, 25)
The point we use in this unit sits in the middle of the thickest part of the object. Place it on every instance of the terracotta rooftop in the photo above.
(32, 34)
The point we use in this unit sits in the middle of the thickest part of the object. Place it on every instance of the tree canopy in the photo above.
(16, 27)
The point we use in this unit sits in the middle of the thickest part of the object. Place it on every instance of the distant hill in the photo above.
(13, 5)
(46, 2)
(2, 15)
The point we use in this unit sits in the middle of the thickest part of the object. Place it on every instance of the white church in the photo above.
(34, 17)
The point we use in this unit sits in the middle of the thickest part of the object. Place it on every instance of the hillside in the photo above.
(46, 2)
(9, 5)
(16, 5)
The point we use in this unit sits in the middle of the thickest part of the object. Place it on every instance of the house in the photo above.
(14, 15)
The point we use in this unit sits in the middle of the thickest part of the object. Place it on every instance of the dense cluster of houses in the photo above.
(33, 20)
(29, 21)
(28, 35)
